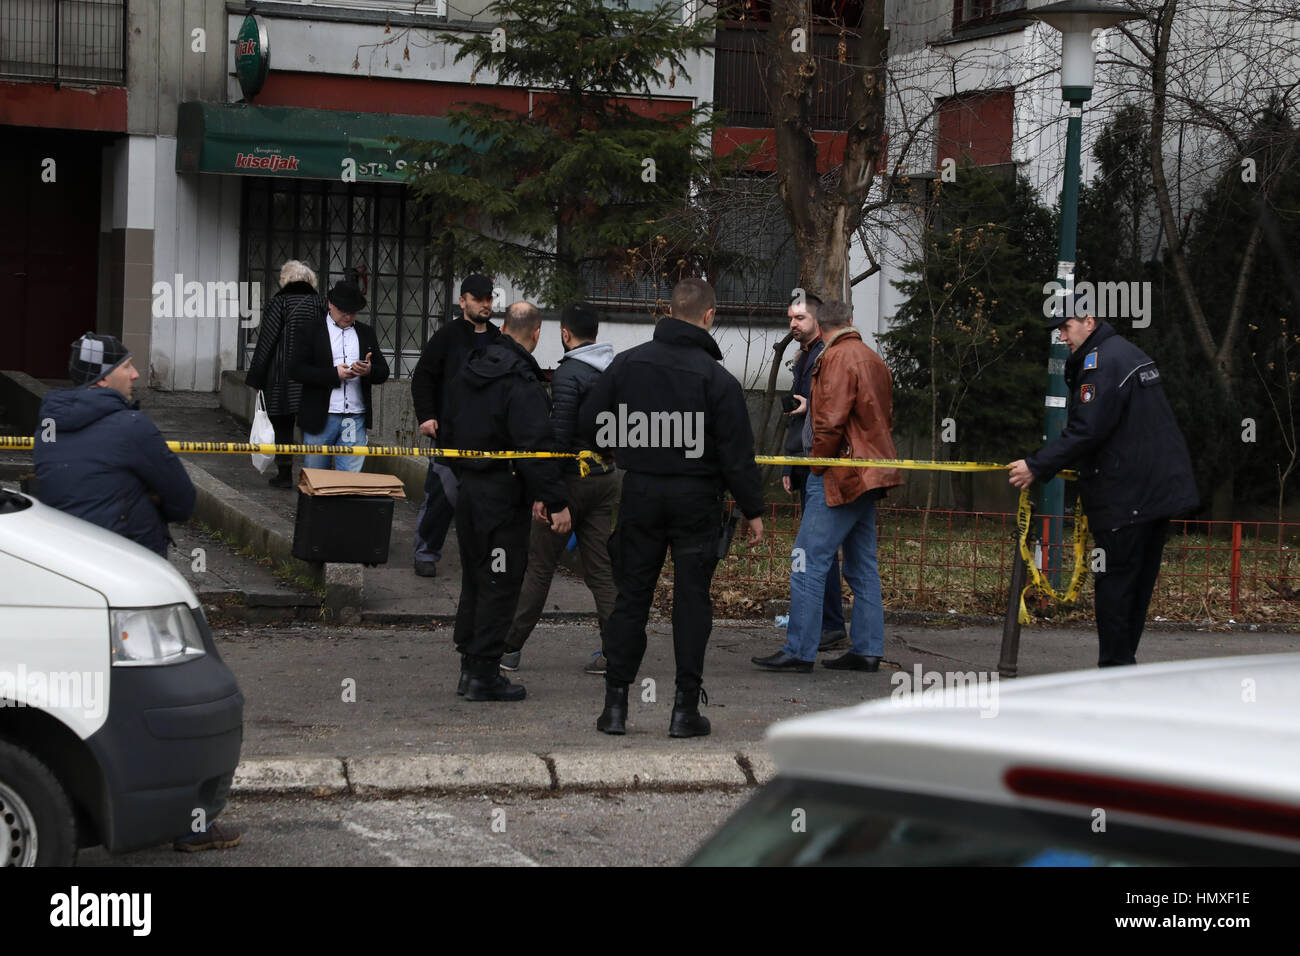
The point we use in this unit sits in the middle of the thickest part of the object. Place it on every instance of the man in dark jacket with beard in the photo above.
(443, 356)
(1134, 472)
(497, 403)
(100, 459)
(678, 424)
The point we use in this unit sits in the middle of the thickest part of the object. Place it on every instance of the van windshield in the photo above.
(11, 501)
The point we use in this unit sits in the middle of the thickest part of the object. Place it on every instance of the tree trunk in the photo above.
(824, 217)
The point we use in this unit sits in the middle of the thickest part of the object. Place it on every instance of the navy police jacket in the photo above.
(1120, 436)
(102, 462)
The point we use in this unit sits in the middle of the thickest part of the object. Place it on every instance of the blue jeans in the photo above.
(833, 606)
(823, 531)
(330, 435)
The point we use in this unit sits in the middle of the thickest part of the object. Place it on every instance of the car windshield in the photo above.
(812, 823)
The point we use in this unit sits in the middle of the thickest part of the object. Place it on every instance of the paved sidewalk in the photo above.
(407, 730)
(393, 591)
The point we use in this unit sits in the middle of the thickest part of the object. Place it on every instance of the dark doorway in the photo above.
(49, 247)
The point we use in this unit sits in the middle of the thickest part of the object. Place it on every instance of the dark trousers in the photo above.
(492, 524)
(283, 425)
(656, 512)
(1132, 563)
(833, 602)
(591, 504)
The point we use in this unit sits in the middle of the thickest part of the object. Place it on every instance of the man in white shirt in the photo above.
(338, 360)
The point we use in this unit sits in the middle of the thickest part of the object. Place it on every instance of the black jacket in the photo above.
(497, 403)
(313, 365)
(1121, 436)
(104, 462)
(577, 372)
(290, 311)
(442, 357)
(676, 373)
(802, 385)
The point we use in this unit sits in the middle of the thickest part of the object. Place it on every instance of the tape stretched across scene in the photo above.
(585, 458)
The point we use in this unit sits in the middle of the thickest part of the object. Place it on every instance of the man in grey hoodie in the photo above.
(591, 499)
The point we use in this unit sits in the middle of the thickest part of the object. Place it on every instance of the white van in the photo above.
(119, 723)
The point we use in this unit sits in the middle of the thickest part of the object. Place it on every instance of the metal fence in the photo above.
(954, 561)
(64, 40)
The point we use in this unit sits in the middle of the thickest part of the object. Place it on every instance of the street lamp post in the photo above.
(1078, 21)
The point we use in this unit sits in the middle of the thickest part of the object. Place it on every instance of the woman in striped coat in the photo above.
(296, 304)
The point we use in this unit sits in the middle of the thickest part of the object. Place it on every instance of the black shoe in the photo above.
(832, 639)
(613, 719)
(780, 661)
(686, 720)
(283, 477)
(853, 662)
(426, 569)
(497, 687)
(462, 683)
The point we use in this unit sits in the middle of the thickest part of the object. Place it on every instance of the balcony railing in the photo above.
(740, 76)
(64, 41)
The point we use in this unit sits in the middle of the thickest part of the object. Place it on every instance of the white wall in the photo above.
(197, 236)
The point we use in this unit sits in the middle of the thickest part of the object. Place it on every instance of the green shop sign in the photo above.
(289, 142)
(252, 56)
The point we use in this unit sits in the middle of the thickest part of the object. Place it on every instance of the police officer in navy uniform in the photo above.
(672, 492)
(1134, 472)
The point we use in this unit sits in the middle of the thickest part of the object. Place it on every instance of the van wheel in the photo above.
(37, 827)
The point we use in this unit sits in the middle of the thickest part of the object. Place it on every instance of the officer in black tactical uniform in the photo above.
(1134, 472)
(677, 423)
(497, 402)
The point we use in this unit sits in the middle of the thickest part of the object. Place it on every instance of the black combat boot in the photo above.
(686, 720)
(613, 719)
(283, 477)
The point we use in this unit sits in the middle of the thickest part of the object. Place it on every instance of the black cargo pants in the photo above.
(492, 528)
(656, 512)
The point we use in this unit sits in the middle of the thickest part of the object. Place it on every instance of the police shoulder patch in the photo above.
(1087, 393)
(1090, 360)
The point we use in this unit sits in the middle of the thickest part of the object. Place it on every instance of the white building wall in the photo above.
(196, 236)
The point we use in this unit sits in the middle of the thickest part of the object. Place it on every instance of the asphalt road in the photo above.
(583, 829)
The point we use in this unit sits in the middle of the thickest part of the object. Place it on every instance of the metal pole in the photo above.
(1007, 661)
(1052, 501)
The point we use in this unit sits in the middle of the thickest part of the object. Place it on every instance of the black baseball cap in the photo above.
(479, 286)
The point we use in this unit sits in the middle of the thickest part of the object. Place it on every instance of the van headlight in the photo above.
(149, 636)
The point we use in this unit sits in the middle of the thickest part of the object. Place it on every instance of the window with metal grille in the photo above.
(64, 40)
(974, 13)
(374, 230)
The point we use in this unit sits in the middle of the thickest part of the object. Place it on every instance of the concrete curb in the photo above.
(448, 773)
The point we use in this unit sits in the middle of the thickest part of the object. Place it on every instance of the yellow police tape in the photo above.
(1037, 581)
(585, 458)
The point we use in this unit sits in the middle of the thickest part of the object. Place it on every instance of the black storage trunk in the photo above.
(345, 529)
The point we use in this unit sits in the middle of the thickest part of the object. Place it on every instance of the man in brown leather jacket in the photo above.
(851, 416)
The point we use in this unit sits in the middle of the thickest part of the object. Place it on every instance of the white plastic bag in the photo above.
(262, 433)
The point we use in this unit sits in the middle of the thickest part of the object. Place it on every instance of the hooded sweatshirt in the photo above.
(497, 403)
(576, 374)
(101, 462)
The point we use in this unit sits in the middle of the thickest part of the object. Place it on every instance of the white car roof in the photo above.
(1227, 727)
